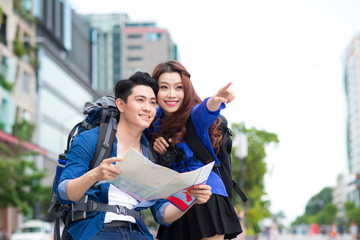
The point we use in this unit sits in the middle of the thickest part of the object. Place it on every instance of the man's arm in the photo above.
(77, 187)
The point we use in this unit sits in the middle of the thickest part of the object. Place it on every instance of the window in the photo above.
(3, 22)
(153, 37)
(116, 33)
(134, 59)
(3, 110)
(26, 115)
(134, 36)
(53, 19)
(27, 5)
(116, 48)
(4, 65)
(134, 47)
(148, 24)
(26, 83)
(45, 11)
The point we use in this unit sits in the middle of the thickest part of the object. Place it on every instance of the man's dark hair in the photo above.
(123, 88)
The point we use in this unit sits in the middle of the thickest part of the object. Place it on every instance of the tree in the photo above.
(352, 212)
(319, 209)
(327, 215)
(253, 169)
(20, 179)
(318, 201)
(23, 130)
(20, 184)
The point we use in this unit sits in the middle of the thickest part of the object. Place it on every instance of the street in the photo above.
(303, 237)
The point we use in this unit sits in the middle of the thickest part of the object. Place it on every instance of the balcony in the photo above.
(23, 9)
(5, 84)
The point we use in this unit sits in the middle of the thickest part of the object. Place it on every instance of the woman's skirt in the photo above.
(216, 217)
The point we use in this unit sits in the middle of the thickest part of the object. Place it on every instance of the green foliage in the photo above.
(20, 179)
(327, 215)
(254, 169)
(300, 220)
(24, 13)
(19, 49)
(34, 62)
(1, 16)
(352, 212)
(45, 197)
(318, 201)
(23, 130)
(5, 149)
(5, 84)
(20, 184)
(319, 209)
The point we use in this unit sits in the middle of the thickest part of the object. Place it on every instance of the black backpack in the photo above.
(202, 153)
(104, 113)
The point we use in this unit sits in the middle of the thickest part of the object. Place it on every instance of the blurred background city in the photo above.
(295, 69)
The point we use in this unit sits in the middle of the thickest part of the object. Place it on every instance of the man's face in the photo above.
(140, 109)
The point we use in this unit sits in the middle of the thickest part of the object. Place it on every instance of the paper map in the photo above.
(145, 180)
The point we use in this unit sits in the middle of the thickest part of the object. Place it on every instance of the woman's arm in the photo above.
(224, 95)
(202, 194)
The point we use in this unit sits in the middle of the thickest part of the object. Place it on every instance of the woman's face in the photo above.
(171, 92)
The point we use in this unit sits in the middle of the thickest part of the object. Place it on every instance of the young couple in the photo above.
(210, 218)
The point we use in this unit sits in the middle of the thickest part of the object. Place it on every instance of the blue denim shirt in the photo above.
(78, 160)
(202, 119)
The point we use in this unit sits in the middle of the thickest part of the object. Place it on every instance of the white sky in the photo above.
(284, 58)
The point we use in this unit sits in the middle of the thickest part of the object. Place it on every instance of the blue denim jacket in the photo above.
(78, 160)
(202, 119)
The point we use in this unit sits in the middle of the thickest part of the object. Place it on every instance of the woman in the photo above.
(178, 100)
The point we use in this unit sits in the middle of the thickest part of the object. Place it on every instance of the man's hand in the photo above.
(106, 170)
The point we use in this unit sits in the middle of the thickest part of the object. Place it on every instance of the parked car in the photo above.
(33, 230)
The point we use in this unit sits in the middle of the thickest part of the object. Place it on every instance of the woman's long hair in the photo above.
(174, 125)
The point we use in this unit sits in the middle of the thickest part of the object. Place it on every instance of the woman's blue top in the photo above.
(202, 119)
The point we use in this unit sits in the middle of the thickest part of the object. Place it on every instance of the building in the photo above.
(106, 35)
(351, 63)
(124, 46)
(18, 65)
(339, 195)
(46, 76)
(144, 46)
(64, 77)
(17, 58)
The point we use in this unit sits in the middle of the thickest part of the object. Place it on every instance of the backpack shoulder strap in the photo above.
(201, 152)
(195, 144)
(105, 139)
(239, 191)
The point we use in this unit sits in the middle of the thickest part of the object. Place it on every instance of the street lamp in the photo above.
(241, 152)
(241, 146)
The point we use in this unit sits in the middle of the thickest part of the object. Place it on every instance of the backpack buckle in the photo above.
(79, 209)
(120, 210)
(91, 206)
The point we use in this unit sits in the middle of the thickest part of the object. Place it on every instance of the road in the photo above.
(303, 237)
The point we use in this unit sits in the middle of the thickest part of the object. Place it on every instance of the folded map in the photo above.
(145, 180)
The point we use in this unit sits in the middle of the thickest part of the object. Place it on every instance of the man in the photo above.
(136, 102)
